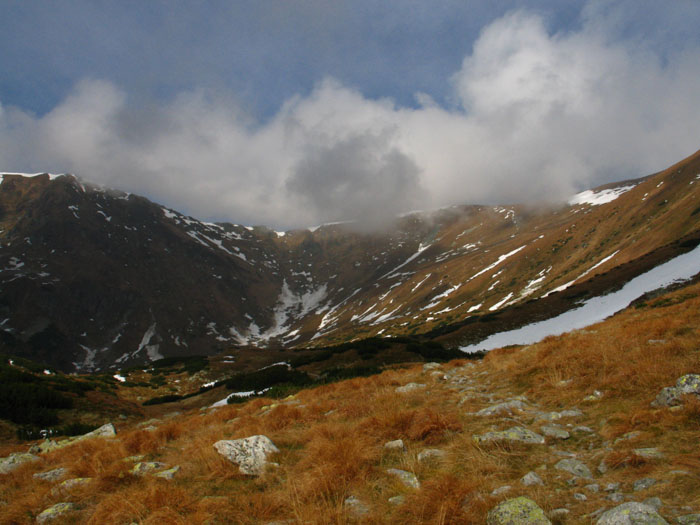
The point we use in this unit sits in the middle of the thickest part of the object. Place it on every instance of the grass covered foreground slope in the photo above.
(581, 435)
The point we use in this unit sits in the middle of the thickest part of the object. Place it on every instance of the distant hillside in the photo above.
(94, 278)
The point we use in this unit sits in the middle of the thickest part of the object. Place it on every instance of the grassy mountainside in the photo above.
(331, 439)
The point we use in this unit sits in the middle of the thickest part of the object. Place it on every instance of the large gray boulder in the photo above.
(250, 454)
(632, 513)
(517, 511)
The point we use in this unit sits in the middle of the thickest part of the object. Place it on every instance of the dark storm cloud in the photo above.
(360, 178)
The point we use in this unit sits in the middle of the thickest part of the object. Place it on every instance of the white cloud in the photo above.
(536, 116)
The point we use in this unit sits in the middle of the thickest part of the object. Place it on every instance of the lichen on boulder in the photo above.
(517, 511)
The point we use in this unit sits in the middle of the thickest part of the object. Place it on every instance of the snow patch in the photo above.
(601, 197)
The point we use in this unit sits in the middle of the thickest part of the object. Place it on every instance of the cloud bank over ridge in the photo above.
(535, 116)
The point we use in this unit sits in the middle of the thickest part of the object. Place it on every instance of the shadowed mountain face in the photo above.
(93, 278)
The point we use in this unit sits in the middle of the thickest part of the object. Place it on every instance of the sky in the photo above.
(292, 113)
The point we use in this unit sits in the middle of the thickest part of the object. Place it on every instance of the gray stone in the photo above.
(500, 490)
(397, 500)
(431, 454)
(584, 429)
(689, 384)
(555, 416)
(105, 431)
(55, 511)
(649, 453)
(644, 483)
(515, 434)
(602, 467)
(395, 445)
(669, 396)
(555, 432)
(431, 366)
(593, 487)
(612, 487)
(628, 436)
(507, 407)
(14, 460)
(51, 475)
(575, 467)
(615, 497)
(250, 454)
(517, 511)
(410, 387)
(631, 513)
(580, 497)
(407, 478)
(530, 479)
(356, 507)
(66, 486)
(147, 467)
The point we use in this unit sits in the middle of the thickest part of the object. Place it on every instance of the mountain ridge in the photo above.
(94, 278)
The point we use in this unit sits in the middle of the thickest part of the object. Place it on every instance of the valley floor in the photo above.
(581, 436)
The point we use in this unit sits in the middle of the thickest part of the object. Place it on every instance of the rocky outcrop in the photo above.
(514, 434)
(105, 431)
(517, 511)
(250, 454)
(14, 460)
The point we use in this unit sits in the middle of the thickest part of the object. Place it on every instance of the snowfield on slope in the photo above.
(598, 308)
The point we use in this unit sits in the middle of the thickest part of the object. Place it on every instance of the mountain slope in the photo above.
(92, 277)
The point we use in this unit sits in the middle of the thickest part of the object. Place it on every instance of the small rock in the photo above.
(431, 454)
(644, 483)
(649, 453)
(147, 467)
(615, 497)
(516, 434)
(69, 484)
(584, 429)
(612, 487)
(356, 507)
(628, 436)
(554, 416)
(14, 460)
(555, 432)
(575, 467)
(431, 366)
(520, 511)
(595, 396)
(168, 473)
(51, 475)
(55, 511)
(602, 467)
(580, 497)
(395, 445)
(507, 407)
(407, 478)
(593, 487)
(250, 454)
(530, 479)
(631, 513)
(397, 500)
(500, 490)
(410, 387)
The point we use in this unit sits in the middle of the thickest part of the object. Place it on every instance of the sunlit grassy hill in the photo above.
(596, 385)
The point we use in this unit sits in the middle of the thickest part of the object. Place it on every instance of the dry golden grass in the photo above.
(331, 439)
